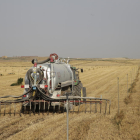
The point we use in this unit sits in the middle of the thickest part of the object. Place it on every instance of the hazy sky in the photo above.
(70, 28)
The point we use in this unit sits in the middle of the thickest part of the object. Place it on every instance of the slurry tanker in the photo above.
(51, 79)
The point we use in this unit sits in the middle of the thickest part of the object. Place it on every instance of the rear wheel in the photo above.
(78, 90)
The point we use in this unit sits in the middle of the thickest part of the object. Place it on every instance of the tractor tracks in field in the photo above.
(40, 126)
(101, 78)
(54, 126)
(105, 82)
(91, 72)
(76, 125)
(18, 124)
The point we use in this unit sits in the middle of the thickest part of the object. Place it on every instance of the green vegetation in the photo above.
(118, 118)
(19, 82)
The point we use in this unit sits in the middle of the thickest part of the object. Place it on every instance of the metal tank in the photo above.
(55, 75)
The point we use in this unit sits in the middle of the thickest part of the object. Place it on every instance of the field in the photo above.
(101, 77)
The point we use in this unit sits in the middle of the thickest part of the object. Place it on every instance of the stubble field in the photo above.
(100, 79)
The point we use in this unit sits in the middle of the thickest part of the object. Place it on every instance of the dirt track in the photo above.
(100, 78)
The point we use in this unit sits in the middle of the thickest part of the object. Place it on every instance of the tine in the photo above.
(20, 110)
(39, 106)
(64, 107)
(14, 109)
(90, 105)
(95, 106)
(0, 108)
(105, 106)
(48, 107)
(79, 106)
(44, 106)
(10, 109)
(54, 108)
(25, 107)
(59, 107)
(74, 106)
(100, 105)
(109, 106)
(30, 108)
(34, 107)
(4, 108)
(85, 106)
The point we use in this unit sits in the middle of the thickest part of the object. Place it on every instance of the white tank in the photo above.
(56, 73)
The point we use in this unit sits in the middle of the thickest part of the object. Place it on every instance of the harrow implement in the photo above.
(74, 104)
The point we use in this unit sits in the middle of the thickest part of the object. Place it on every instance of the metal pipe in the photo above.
(85, 107)
(90, 106)
(59, 107)
(54, 108)
(0, 108)
(64, 107)
(4, 109)
(100, 106)
(44, 106)
(105, 107)
(34, 107)
(20, 110)
(14, 109)
(35, 72)
(95, 107)
(39, 106)
(41, 62)
(30, 108)
(52, 80)
(67, 117)
(10, 109)
(72, 81)
(74, 105)
(72, 78)
(48, 107)
(109, 106)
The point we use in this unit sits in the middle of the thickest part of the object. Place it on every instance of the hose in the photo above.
(30, 71)
(41, 62)
(13, 96)
(43, 95)
(41, 75)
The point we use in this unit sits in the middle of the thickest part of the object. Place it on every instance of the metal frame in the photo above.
(56, 103)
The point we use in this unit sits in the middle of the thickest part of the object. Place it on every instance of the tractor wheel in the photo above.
(78, 91)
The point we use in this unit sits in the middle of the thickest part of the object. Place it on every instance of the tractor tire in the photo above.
(78, 91)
